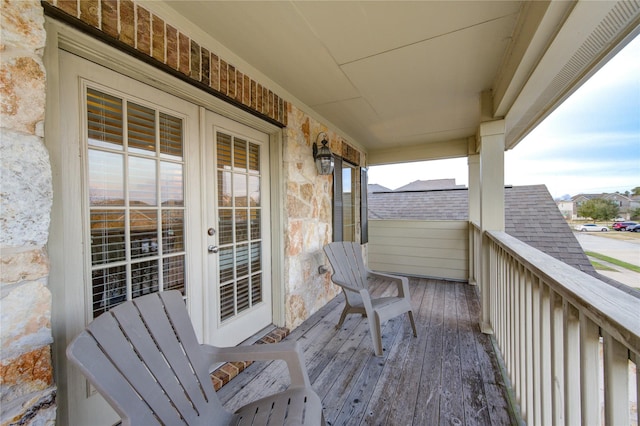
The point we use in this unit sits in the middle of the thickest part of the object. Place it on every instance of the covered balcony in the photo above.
(506, 331)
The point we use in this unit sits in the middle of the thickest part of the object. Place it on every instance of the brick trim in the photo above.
(130, 27)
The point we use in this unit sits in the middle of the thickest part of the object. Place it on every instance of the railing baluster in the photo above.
(557, 357)
(571, 364)
(536, 349)
(527, 337)
(545, 371)
(616, 381)
(590, 370)
(521, 349)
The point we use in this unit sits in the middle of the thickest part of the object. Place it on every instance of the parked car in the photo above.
(634, 228)
(622, 226)
(586, 227)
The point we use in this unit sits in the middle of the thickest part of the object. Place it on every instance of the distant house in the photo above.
(625, 204)
(531, 215)
(566, 208)
(374, 187)
(428, 185)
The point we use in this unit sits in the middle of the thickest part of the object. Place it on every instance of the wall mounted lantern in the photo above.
(323, 156)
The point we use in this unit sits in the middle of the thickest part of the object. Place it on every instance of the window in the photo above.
(135, 167)
(345, 202)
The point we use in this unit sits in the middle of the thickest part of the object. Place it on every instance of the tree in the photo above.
(599, 209)
(635, 191)
(635, 214)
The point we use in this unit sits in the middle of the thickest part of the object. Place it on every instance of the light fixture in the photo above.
(323, 156)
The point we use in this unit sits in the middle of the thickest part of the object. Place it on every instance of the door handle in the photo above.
(212, 249)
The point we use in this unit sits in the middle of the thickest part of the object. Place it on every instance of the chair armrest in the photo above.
(401, 282)
(290, 352)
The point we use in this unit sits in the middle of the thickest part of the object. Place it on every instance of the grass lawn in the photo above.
(611, 260)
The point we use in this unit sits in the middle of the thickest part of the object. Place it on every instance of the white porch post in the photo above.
(491, 142)
(473, 161)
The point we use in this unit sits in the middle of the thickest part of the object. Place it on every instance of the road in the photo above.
(618, 245)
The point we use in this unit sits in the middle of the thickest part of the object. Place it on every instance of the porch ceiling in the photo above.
(404, 80)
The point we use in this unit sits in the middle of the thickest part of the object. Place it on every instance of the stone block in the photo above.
(29, 373)
(26, 190)
(23, 265)
(35, 409)
(25, 315)
(22, 26)
(22, 92)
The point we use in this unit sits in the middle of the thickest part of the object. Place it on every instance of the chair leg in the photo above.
(343, 316)
(413, 323)
(376, 337)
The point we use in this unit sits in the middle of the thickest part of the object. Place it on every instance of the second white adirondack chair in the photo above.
(350, 273)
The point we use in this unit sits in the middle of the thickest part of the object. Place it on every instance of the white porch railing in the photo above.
(570, 342)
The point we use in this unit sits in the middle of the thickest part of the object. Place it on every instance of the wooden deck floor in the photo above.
(448, 375)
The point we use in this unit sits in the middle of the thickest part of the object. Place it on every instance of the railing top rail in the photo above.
(616, 312)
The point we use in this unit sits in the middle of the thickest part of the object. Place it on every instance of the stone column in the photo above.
(27, 391)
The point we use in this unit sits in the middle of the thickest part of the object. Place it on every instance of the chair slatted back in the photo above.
(143, 356)
(348, 264)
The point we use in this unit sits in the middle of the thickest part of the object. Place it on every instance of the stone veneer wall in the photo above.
(308, 219)
(27, 392)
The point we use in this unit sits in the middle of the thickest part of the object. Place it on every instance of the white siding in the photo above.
(424, 248)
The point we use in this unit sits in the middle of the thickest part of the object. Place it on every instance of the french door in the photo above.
(238, 218)
(151, 201)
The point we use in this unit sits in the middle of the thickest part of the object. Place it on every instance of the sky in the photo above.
(589, 144)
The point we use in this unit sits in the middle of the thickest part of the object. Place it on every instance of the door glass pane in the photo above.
(224, 189)
(170, 137)
(240, 155)
(109, 288)
(171, 185)
(141, 122)
(106, 178)
(104, 120)
(240, 231)
(254, 191)
(142, 181)
(144, 278)
(107, 236)
(173, 273)
(143, 233)
(136, 200)
(254, 158)
(223, 151)
(225, 226)
(172, 231)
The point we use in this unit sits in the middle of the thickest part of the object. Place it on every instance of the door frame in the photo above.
(62, 36)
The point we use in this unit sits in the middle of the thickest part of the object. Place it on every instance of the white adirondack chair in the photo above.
(144, 359)
(350, 273)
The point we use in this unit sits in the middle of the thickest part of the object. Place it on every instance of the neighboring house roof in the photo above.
(531, 215)
(426, 185)
(374, 187)
(604, 195)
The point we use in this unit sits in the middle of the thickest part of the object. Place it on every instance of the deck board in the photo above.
(447, 375)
